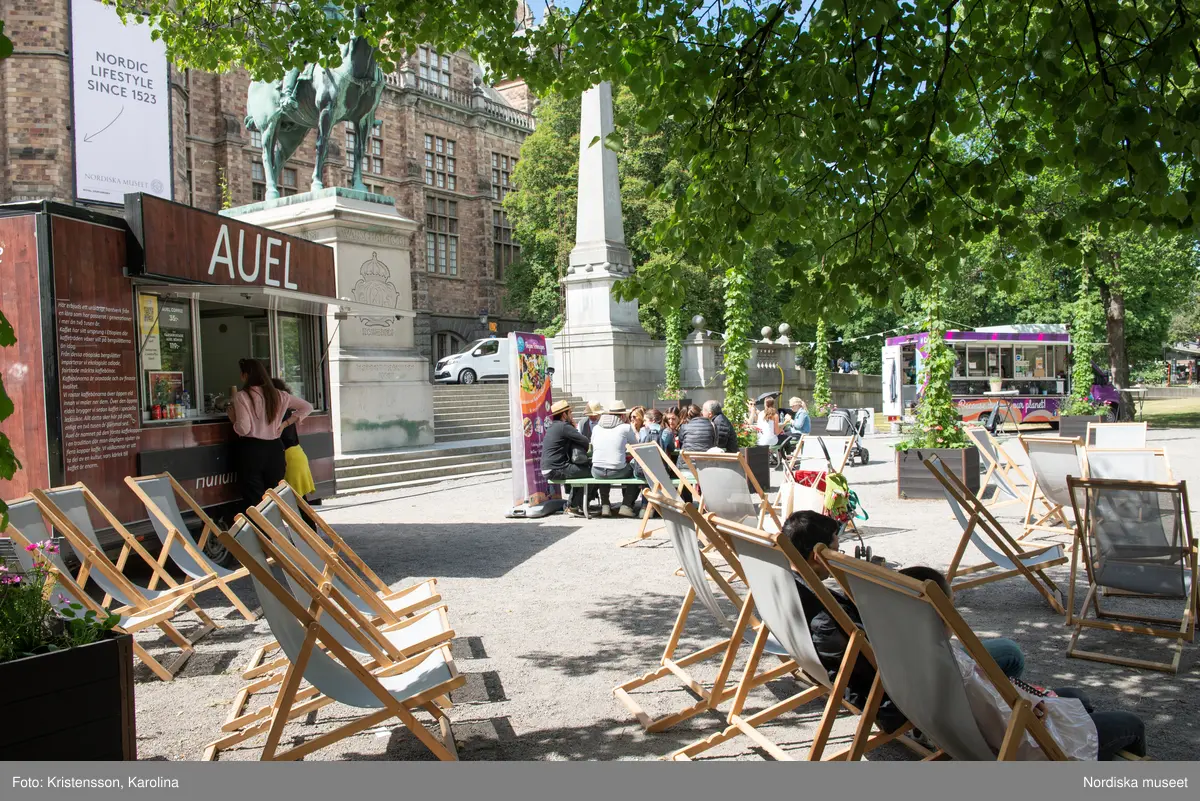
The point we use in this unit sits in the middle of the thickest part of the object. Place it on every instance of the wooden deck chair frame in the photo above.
(1145, 625)
(194, 548)
(289, 702)
(739, 724)
(157, 614)
(92, 558)
(342, 561)
(1021, 718)
(321, 576)
(644, 531)
(673, 665)
(1054, 520)
(1097, 428)
(766, 508)
(981, 521)
(1004, 468)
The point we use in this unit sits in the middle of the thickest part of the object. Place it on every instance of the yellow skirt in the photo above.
(297, 473)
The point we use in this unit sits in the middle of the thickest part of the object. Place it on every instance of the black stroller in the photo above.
(850, 423)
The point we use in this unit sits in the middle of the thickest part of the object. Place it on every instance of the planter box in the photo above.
(759, 459)
(75, 704)
(1075, 425)
(820, 426)
(662, 404)
(915, 482)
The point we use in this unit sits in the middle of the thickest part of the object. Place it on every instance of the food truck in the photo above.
(1022, 369)
(128, 334)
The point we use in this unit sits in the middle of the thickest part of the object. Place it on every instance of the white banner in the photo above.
(122, 110)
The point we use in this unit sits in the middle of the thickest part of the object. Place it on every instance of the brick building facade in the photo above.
(444, 148)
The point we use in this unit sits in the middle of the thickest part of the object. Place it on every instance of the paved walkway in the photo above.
(550, 615)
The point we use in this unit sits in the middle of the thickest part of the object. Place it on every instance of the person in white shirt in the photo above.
(768, 424)
(610, 459)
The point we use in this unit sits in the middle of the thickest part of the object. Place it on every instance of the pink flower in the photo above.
(31, 547)
(51, 547)
(10, 579)
(939, 439)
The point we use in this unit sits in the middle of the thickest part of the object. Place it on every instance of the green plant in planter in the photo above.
(29, 624)
(738, 289)
(1079, 402)
(938, 423)
(822, 395)
(674, 354)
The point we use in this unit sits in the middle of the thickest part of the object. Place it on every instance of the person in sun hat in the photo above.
(610, 459)
(564, 453)
(594, 410)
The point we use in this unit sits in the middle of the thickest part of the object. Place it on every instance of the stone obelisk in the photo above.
(602, 352)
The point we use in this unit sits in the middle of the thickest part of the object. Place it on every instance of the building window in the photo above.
(191, 186)
(372, 160)
(441, 235)
(504, 250)
(446, 343)
(441, 165)
(433, 70)
(258, 179)
(289, 182)
(502, 170)
(256, 139)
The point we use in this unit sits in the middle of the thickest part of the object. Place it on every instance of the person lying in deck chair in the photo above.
(1115, 731)
(807, 529)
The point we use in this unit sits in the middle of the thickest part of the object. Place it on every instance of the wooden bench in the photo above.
(587, 483)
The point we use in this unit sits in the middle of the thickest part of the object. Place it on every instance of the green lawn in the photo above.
(1173, 413)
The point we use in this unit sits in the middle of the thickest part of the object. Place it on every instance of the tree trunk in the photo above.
(1114, 324)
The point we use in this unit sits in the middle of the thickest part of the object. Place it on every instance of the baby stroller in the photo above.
(851, 423)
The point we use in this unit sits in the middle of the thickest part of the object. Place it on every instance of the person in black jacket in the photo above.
(726, 436)
(698, 434)
(561, 441)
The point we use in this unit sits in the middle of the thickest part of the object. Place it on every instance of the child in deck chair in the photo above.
(805, 530)
(1082, 734)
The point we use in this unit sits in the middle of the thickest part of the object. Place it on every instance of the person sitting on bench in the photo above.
(1115, 731)
(564, 454)
(805, 530)
(610, 459)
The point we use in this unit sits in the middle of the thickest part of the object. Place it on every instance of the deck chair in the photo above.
(315, 655)
(809, 455)
(661, 474)
(1135, 537)
(729, 490)
(1011, 483)
(770, 564)
(26, 525)
(68, 509)
(1051, 459)
(684, 525)
(160, 495)
(398, 637)
(985, 532)
(1116, 435)
(336, 562)
(906, 622)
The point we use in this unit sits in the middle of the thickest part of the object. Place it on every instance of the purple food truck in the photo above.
(1025, 368)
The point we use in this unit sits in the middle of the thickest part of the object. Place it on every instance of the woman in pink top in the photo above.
(257, 416)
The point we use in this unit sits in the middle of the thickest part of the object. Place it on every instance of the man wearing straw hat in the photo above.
(610, 459)
(594, 410)
(564, 454)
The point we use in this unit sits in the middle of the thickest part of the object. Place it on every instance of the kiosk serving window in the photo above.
(191, 348)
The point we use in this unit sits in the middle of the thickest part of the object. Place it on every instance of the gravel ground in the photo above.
(550, 615)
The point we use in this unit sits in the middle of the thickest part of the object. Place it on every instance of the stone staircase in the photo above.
(471, 438)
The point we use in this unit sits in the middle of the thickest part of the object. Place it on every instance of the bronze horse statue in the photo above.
(349, 92)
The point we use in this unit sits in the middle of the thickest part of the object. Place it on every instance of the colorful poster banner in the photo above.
(529, 402)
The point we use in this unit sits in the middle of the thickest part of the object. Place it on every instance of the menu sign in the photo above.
(193, 246)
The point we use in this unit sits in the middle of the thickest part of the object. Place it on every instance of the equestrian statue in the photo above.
(317, 97)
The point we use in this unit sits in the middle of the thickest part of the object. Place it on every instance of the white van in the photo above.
(482, 360)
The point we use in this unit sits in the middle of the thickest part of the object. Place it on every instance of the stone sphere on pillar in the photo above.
(784, 329)
(698, 322)
(766, 333)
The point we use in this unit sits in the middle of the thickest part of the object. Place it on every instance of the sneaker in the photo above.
(626, 511)
(573, 512)
(606, 511)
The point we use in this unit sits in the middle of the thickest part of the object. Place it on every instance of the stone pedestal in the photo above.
(381, 397)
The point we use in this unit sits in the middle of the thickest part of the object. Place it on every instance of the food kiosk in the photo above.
(1023, 369)
(128, 334)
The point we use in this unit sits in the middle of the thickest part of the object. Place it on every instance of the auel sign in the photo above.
(189, 246)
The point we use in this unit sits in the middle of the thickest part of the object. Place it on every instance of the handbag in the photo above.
(580, 457)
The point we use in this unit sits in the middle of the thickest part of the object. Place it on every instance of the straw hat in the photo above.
(595, 407)
(617, 407)
(559, 408)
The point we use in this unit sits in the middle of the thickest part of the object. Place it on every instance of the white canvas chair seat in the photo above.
(1116, 435)
(1052, 460)
(684, 526)
(26, 525)
(160, 494)
(906, 622)
(1011, 483)
(729, 490)
(316, 656)
(661, 474)
(809, 455)
(1134, 537)
(770, 565)
(1129, 464)
(982, 530)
